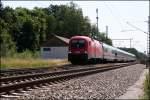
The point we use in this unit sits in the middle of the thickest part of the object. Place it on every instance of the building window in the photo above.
(46, 49)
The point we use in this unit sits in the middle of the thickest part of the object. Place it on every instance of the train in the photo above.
(83, 49)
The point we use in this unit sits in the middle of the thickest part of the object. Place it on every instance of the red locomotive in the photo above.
(83, 49)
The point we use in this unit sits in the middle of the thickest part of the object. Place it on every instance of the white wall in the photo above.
(54, 52)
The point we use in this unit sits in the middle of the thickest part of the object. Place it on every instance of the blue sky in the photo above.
(114, 14)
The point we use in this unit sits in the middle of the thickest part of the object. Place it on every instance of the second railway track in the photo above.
(16, 83)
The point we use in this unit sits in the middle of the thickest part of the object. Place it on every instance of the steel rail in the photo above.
(16, 86)
(22, 77)
(22, 71)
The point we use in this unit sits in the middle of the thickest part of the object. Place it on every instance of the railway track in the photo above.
(24, 82)
(23, 71)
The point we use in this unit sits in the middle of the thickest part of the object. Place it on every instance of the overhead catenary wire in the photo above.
(118, 13)
(136, 28)
(115, 17)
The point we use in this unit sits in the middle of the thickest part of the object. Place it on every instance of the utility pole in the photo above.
(130, 42)
(145, 60)
(106, 31)
(148, 41)
(149, 44)
(97, 21)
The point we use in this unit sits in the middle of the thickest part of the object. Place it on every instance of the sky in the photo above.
(119, 16)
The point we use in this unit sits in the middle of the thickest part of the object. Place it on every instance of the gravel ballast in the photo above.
(104, 85)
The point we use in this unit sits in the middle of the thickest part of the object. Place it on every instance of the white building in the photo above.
(55, 47)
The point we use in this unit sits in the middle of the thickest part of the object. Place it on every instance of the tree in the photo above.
(138, 54)
(28, 36)
(1, 8)
(28, 29)
(51, 24)
(100, 36)
(7, 45)
(103, 38)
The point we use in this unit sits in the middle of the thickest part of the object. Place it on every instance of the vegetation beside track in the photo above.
(146, 95)
(30, 62)
(29, 59)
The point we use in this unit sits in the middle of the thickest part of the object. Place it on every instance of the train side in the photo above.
(83, 49)
(114, 54)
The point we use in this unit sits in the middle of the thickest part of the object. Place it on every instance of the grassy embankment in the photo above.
(146, 95)
(28, 59)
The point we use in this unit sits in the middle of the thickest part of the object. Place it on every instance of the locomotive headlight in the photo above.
(69, 52)
(85, 51)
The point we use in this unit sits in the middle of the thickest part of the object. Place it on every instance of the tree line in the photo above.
(24, 29)
(139, 55)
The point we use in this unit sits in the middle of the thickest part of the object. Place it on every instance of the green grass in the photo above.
(146, 95)
(28, 59)
(26, 54)
(30, 62)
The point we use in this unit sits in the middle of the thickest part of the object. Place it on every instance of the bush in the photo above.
(147, 88)
(7, 63)
(27, 54)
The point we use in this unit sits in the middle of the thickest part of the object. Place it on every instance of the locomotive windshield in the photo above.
(77, 43)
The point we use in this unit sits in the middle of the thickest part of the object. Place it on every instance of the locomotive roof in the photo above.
(83, 37)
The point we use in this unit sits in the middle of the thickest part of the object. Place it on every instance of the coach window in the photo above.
(105, 49)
